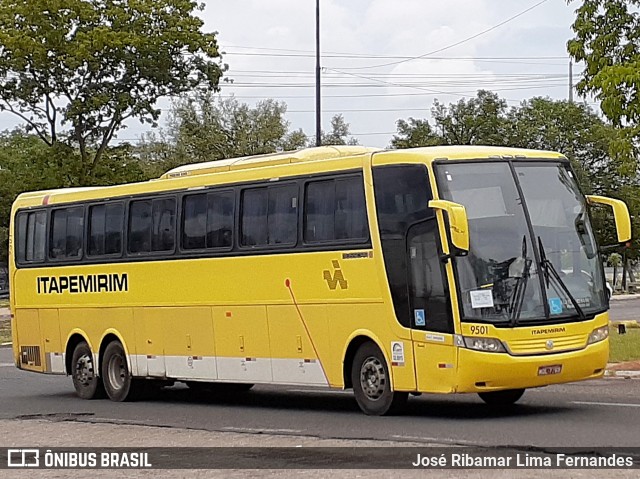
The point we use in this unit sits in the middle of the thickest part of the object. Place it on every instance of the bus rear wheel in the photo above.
(118, 383)
(87, 383)
(502, 398)
(372, 383)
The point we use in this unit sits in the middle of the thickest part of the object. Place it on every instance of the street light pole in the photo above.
(318, 116)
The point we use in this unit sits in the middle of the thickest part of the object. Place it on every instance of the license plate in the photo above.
(547, 370)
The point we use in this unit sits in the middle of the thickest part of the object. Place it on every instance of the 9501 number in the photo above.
(479, 330)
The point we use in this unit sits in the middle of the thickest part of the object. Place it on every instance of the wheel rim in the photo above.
(84, 372)
(117, 371)
(373, 378)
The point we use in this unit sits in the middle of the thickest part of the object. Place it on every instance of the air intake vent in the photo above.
(30, 355)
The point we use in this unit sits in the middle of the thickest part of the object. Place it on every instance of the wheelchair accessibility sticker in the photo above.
(555, 305)
(420, 318)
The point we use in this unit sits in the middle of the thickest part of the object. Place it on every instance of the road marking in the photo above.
(619, 404)
(7, 365)
(260, 430)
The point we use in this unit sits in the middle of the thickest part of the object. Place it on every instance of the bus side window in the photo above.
(219, 221)
(140, 226)
(31, 233)
(67, 229)
(164, 224)
(253, 217)
(320, 211)
(351, 212)
(283, 214)
(194, 221)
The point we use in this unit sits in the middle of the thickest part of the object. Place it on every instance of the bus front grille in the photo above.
(547, 345)
(30, 355)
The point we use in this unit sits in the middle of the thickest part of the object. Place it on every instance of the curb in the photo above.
(623, 297)
(622, 374)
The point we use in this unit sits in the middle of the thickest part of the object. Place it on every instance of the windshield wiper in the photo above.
(517, 297)
(550, 272)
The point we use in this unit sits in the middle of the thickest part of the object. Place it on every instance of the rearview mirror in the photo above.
(458, 223)
(620, 214)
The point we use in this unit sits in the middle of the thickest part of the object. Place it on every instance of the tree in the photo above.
(208, 128)
(89, 65)
(476, 121)
(608, 42)
(28, 164)
(538, 123)
(413, 133)
(339, 134)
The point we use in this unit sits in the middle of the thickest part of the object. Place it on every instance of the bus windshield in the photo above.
(532, 254)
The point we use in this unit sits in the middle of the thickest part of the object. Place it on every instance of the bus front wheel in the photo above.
(372, 383)
(118, 383)
(87, 383)
(501, 398)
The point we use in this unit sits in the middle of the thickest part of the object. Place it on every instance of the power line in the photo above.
(453, 44)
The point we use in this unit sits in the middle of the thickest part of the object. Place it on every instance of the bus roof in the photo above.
(271, 159)
(340, 157)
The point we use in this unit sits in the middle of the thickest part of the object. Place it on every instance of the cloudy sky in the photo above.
(367, 45)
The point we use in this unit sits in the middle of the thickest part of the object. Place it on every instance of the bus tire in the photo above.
(118, 383)
(372, 383)
(502, 398)
(86, 381)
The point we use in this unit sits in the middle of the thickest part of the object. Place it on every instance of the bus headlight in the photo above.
(599, 334)
(491, 345)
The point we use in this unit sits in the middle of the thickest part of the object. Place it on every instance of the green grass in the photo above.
(624, 347)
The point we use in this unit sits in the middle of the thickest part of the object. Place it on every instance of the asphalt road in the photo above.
(625, 308)
(595, 413)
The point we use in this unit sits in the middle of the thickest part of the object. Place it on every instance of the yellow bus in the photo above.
(436, 270)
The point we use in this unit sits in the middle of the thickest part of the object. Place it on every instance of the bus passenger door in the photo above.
(432, 322)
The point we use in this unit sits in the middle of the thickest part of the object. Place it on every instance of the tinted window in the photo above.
(208, 220)
(105, 229)
(320, 211)
(30, 236)
(335, 210)
(283, 215)
(164, 224)
(140, 227)
(152, 225)
(351, 213)
(402, 196)
(220, 219)
(67, 227)
(254, 217)
(194, 221)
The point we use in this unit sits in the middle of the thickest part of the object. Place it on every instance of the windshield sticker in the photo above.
(397, 353)
(555, 305)
(482, 298)
(420, 317)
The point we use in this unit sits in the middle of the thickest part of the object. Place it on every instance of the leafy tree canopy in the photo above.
(88, 65)
(607, 40)
(339, 134)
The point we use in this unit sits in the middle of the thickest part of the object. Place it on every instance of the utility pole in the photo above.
(570, 81)
(318, 115)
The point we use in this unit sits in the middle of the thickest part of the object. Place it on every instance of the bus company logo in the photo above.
(335, 279)
(23, 458)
